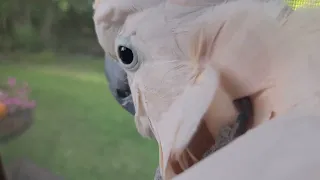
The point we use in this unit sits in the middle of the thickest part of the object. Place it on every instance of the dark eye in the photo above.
(126, 55)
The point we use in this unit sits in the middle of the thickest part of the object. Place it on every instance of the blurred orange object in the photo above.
(3, 110)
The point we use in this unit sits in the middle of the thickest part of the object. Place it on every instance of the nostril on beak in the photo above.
(123, 93)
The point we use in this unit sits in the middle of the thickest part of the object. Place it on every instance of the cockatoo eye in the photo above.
(126, 55)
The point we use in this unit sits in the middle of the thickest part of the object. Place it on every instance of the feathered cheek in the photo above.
(141, 119)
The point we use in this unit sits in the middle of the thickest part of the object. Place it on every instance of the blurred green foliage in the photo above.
(57, 25)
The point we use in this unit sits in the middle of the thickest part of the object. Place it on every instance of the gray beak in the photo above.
(118, 84)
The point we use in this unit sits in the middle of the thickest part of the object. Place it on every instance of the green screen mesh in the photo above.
(295, 4)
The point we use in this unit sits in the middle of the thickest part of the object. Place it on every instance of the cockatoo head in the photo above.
(109, 16)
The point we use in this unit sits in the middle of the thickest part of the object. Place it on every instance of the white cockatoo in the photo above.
(187, 61)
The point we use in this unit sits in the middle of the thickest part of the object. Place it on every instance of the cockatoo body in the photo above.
(187, 61)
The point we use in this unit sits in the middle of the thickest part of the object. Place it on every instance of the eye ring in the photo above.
(127, 55)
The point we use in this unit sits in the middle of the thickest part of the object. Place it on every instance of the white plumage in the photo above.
(193, 58)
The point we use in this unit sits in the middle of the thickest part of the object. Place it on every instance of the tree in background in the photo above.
(59, 25)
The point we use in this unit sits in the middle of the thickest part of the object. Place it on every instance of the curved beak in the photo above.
(118, 84)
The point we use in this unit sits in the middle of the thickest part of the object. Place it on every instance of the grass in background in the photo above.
(80, 132)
